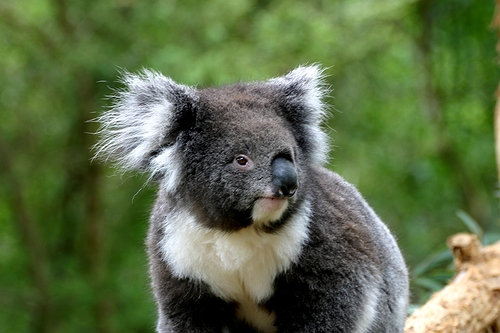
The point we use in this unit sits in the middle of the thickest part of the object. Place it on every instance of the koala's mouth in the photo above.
(269, 209)
(271, 203)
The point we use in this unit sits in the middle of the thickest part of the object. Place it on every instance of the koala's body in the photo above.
(249, 232)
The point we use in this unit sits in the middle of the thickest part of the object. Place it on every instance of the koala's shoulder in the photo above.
(330, 186)
(337, 198)
(340, 213)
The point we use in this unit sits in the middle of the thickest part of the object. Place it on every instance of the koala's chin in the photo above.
(268, 209)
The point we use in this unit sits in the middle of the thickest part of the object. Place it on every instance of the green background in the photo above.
(411, 125)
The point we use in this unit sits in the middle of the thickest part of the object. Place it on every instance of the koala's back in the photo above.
(349, 251)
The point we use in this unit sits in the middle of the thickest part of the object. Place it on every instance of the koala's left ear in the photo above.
(303, 91)
(139, 131)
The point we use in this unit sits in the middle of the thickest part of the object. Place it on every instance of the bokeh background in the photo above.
(411, 124)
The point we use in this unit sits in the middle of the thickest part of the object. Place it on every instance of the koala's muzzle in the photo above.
(284, 177)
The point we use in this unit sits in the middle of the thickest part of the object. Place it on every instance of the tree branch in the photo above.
(471, 301)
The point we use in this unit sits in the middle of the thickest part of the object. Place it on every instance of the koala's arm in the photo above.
(186, 306)
(318, 299)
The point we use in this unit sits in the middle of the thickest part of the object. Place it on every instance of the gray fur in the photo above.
(229, 252)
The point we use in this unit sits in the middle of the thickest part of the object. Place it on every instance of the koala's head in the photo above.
(235, 155)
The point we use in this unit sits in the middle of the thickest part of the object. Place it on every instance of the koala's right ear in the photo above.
(140, 129)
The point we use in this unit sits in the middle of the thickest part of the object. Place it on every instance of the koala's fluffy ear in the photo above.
(140, 129)
(304, 90)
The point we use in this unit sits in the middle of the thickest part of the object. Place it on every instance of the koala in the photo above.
(249, 232)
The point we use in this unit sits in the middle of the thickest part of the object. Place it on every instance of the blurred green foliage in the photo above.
(412, 112)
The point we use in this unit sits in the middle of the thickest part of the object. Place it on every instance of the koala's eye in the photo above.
(243, 162)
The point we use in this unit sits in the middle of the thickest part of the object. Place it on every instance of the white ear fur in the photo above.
(309, 82)
(133, 130)
(305, 86)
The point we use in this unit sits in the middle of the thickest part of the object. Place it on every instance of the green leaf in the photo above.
(436, 260)
(429, 284)
(490, 237)
(470, 223)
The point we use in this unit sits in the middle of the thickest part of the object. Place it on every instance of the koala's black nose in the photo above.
(284, 177)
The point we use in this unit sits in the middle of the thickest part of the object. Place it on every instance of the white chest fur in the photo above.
(239, 266)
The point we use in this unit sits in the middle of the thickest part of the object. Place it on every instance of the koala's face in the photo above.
(234, 155)
(240, 159)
